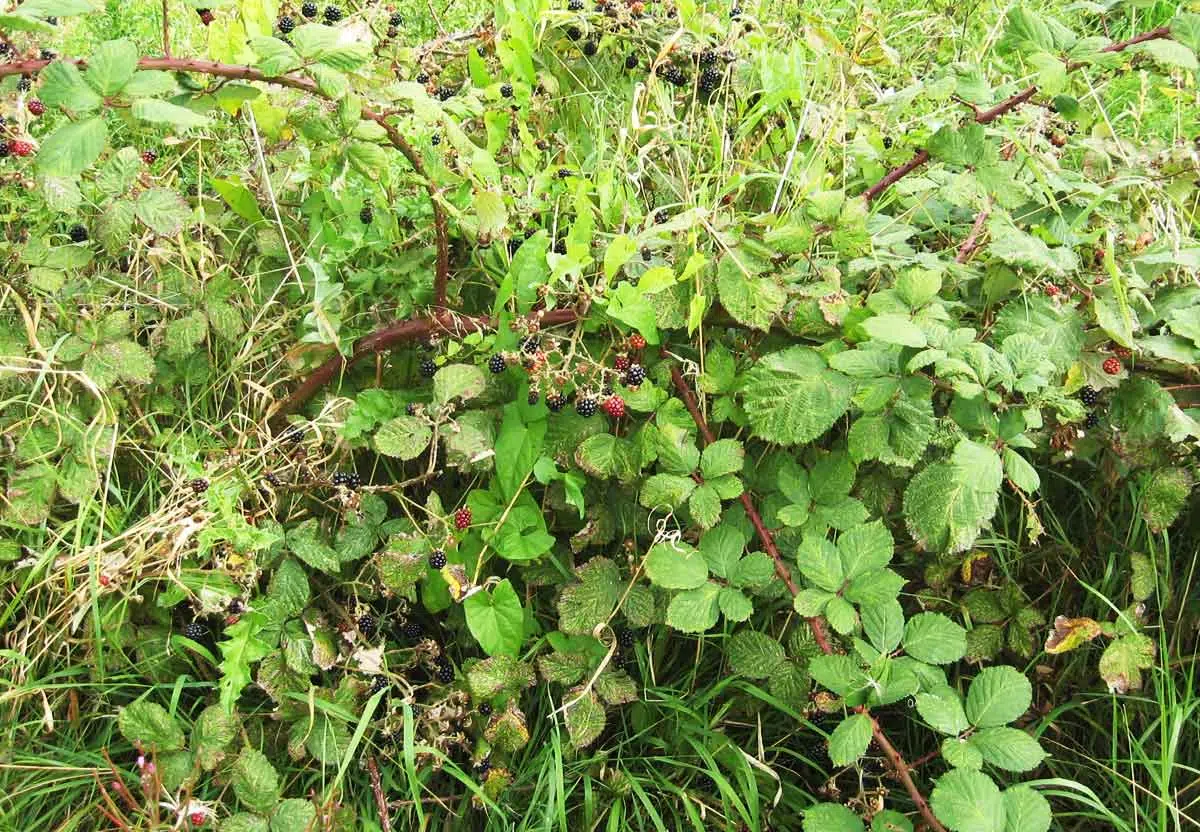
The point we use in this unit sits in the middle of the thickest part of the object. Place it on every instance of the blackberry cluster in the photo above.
(36, 107)
(286, 24)
(485, 708)
(887, 142)
(586, 406)
(350, 479)
(149, 156)
(293, 434)
(435, 140)
(462, 518)
(563, 173)
(332, 14)
(366, 215)
(367, 625)
(708, 59)
(635, 376)
(710, 79)
(428, 367)
(309, 10)
(556, 402)
(673, 75)
(411, 408)
(506, 90)
(497, 363)
(272, 479)
(437, 559)
(196, 631)
(198, 485)
(1089, 396)
(412, 629)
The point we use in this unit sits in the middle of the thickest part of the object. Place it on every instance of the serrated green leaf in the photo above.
(968, 801)
(1010, 749)
(148, 726)
(754, 654)
(792, 396)
(72, 148)
(997, 696)
(831, 817)
(850, 739)
(403, 437)
(496, 619)
(943, 710)
(695, 610)
(255, 781)
(1026, 810)
(675, 565)
(933, 638)
(584, 716)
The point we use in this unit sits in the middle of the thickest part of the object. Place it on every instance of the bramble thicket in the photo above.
(648, 414)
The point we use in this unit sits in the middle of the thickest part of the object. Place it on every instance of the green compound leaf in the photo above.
(792, 396)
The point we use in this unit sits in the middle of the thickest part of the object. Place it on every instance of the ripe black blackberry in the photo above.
(309, 10)
(445, 674)
(573, 33)
(286, 24)
(392, 32)
(635, 376)
(704, 783)
(236, 606)
(4, 151)
(497, 363)
(556, 402)
(590, 47)
(1089, 396)
(428, 367)
(47, 55)
(631, 61)
(293, 434)
(24, 84)
(196, 631)
(367, 625)
(563, 173)
(332, 14)
(349, 479)
(506, 90)
(530, 344)
(483, 767)
(445, 93)
(377, 684)
(366, 215)
(533, 397)
(422, 78)
(412, 629)
(560, 246)
(710, 79)
(586, 406)
(708, 59)
(887, 142)
(660, 217)
(396, 19)
(436, 140)
(198, 485)
(735, 12)
(575, 6)
(437, 559)
(625, 638)
(78, 234)
(411, 408)
(1092, 420)
(485, 708)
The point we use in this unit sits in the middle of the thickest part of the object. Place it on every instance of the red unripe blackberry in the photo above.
(20, 148)
(462, 518)
(149, 157)
(1124, 353)
(206, 16)
(621, 363)
(497, 363)
(1052, 290)
(198, 485)
(36, 107)
(614, 406)
(1112, 365)
(637, 342)
(437, 559)
(197, 818)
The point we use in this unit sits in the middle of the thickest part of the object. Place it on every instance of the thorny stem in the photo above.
(816, 623)
(297, 82)
(1007, 105)
(385, 822)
